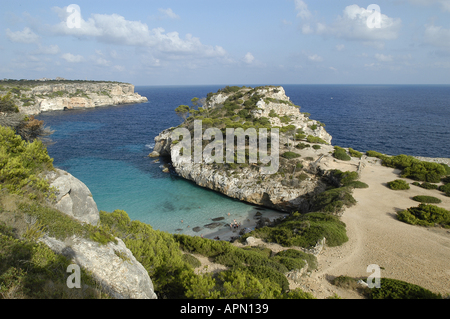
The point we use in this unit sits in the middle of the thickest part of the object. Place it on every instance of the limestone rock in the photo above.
(78, 95)
(73, 197)
(112, 265)
(251, 241)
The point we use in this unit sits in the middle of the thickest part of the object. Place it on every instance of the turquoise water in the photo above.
(107, 147)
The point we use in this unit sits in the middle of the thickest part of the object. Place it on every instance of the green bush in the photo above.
(297, 254)
(316, 140)
(354, 153)
(357, 184)
(290, 155)
(341, 154)
(333, 200)
(397, 289)
(425, 215)
(427, 199)
(191, 260)
(398, 184)
(426, 185)
(302, 146)
(345, 177)
(316, 147)
(445, 188)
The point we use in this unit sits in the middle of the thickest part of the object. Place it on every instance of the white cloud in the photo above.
(384, 58)
(315, 58)
(437, 36)
(25, 36)
(115, 29)
(169, 13)
(69, 57)
(249, 58)
(50, 50)
(353, 25)
(333, 69)
(302, 9)
(340, 47)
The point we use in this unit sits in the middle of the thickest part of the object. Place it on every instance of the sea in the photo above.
(107, 147)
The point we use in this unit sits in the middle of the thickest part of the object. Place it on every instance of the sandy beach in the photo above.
(418, 255)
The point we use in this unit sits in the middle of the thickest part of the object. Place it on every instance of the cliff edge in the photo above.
(67, 95)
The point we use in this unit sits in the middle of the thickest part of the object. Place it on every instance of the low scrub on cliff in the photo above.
(341, 154)
(427, 199)
(413, 168)
(425, 215)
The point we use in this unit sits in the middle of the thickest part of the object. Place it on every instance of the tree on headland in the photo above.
(183, 112)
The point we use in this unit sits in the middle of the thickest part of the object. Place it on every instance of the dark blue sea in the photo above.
(107, 147)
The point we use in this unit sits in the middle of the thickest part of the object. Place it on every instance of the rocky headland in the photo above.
(32, 99)
(297, 181)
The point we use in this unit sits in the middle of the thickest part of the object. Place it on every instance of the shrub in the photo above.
(354, 153)
(357, 184)
(341, 154)
(314, 139)
(445, 188)
(426, 185)
(427, 199)
(316, 147)
(191, 260)
(297, 254)
(397, 289)
(333, 200)
(290, 155)
(302, 146)
(425, 215)
(398, 184)
(345, 177)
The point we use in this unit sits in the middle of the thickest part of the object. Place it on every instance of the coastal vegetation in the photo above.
(398, 184)
(389, 289)
(425, 215)
(29, 269)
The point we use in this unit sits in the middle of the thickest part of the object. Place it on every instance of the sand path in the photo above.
(410, 253)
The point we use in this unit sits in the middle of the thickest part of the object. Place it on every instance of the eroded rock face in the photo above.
(249, 184)
(73, 197)
(112, 265)
(79, 95)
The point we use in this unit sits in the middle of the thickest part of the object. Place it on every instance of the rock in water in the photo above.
(197, 229)
(218, 219)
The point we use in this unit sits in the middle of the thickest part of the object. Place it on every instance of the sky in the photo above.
(217, 42)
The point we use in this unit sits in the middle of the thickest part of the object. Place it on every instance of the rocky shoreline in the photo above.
(66, 96)
(288, 190)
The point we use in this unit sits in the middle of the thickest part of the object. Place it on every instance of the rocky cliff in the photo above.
(67, 95)
(112, 265)
(296, 181)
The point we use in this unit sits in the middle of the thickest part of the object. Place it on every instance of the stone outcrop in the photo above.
(67, 96)
(248, 184)
(73, 197)
(112, 265)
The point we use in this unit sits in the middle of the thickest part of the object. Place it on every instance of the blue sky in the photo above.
(186, 42)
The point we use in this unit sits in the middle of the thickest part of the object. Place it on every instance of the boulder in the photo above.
(73, 197)
(251, 241)
(112, 265)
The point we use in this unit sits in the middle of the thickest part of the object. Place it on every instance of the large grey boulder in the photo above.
(112, 265)
(73, 197)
